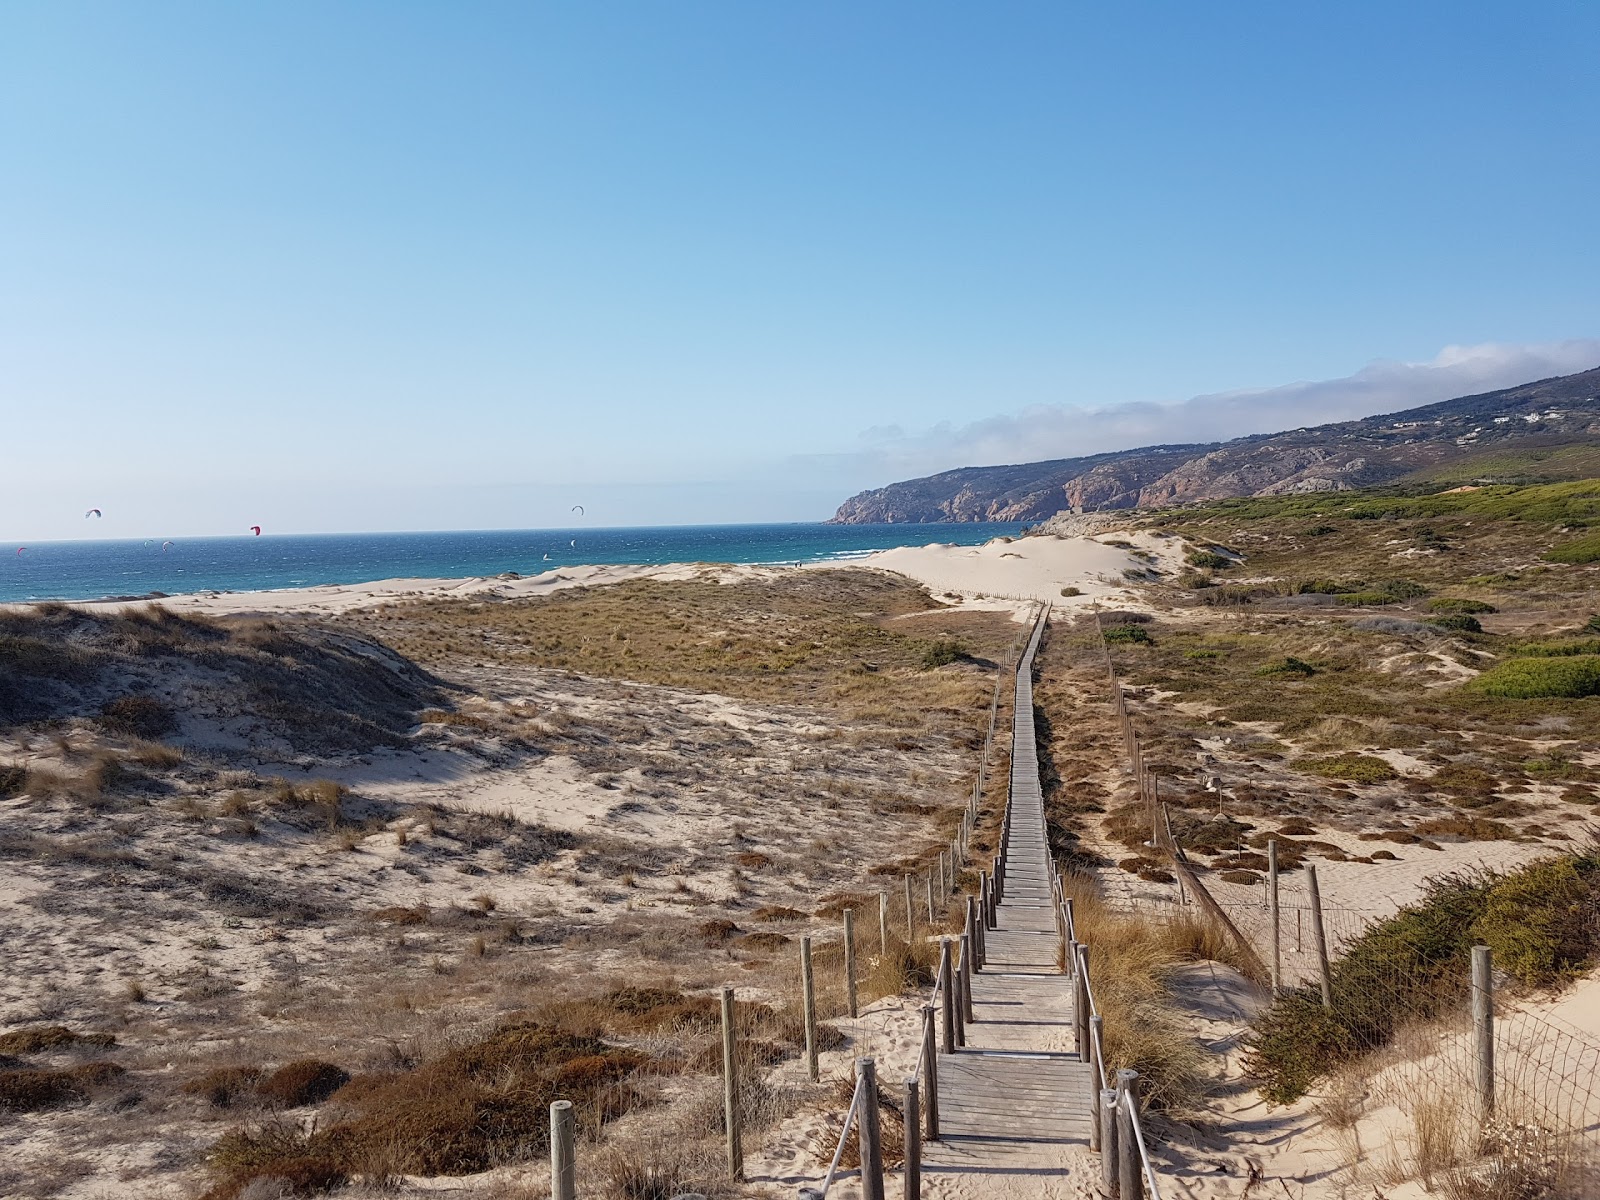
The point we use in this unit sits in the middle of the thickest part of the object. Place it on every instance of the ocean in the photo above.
(93, 570)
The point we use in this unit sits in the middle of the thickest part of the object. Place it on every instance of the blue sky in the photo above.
(403, 265)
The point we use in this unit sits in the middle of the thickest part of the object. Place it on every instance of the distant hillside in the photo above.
(1531, 431)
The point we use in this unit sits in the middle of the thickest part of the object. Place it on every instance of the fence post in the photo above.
(930, 898)
(850, 962)
(1108, 1141)
(1130, 1174)
(1277, 928)
(910, 912)
(883, 922)
(870, 1133)
(958, 1010)
(1091, 1054)
(1320, 935)
(930, 1064)
(1483, 1025)
(1080, 995)
(730, 1088)
(563, 1151)
(966, 981)
(913, 1126)
(808, 993)
(946, 1007)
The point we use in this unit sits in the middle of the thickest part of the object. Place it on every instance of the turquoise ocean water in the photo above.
(93, 570)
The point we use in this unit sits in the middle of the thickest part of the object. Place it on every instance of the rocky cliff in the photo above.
(1534, 418)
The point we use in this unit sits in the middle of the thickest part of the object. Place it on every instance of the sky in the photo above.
(368, 266)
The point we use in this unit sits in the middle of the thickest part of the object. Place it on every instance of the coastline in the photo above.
(1003, 573)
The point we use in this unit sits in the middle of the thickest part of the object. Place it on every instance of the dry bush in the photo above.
(305, 1081)
(34, 1038)
(31, 1091)
(223, 1087)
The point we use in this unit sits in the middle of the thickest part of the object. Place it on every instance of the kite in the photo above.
(93, 512)
(578, 508)
(164, 546)
(20, 549)
(574, 542)
(256, 529)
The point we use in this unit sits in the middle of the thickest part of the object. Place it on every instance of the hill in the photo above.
(1541, 430)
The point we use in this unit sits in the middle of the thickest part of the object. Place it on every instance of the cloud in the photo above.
(1058, 431)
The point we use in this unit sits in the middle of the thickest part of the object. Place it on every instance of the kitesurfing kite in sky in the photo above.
(164, 546)
(256, 529)
(578, 508)
(93, 512)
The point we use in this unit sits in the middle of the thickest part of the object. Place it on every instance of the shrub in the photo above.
(1128, 635)
(138, 716)
(1557, 649)
(942, 653)
(1452, 604)
(1592, 625)
(1356, 768)
(1071, 591)
(1366, 599)
(306, 1081)
(1458, 622)
(1541, 678)
(1540, 921)
(224, 1086)
(1289, 666)
(1580, 550)
(1209, 560)
(34, 1038)
(30, 1091)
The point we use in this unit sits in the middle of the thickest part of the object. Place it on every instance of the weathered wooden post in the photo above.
(883, 922)
(1483, 1026)
(966, 982)
(913, 1127)
(730, 1088)
(850, 962)
(958, 1010)
(930, 1067)
(1090, 1053)
(972, 931)
(563, 1151)
(870, 1133)
(910, 912)
(1130, 1172)
(808, 992)
(932, 920)
(1108, 1141)
(1321, 937)
(1277, 927)
(1080, 996)
(946, 1005)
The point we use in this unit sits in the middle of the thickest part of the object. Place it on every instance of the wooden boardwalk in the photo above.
(1014, 1105)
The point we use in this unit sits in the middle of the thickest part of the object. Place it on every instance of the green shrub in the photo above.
(1291, 666)
(1557, 649)
(942, 653)
(1455, 604)
(1071, 591)
(1539, 920)
(1128, 635)
(1592, 625)
(1362, 599)
(1400, 589)
(1541, 678)
(1320, 587)
(1458, 622)
(1580, 550)
(1202, 653)
(1356, 768)
(1209, 560)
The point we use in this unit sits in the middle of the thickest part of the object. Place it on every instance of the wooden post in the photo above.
(730, 1088)
(966, 980)
(1080, 995)
(930, 1067)
(850, 962)
(883, 922)
(1072, 917)
(1090, 1053)
(808, 991)
(931, 918)
(870, 1133)
(1272, 903)
(563, 1151)
(958, 1010)
(972, 930)
(1108, 1141)
(1483, 1026)
(946, 1005)
(1130, 1171)
(1320, 936)
(913, 1127)
(910, 913)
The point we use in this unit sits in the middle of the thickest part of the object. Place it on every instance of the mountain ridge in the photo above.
(1542, 415)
